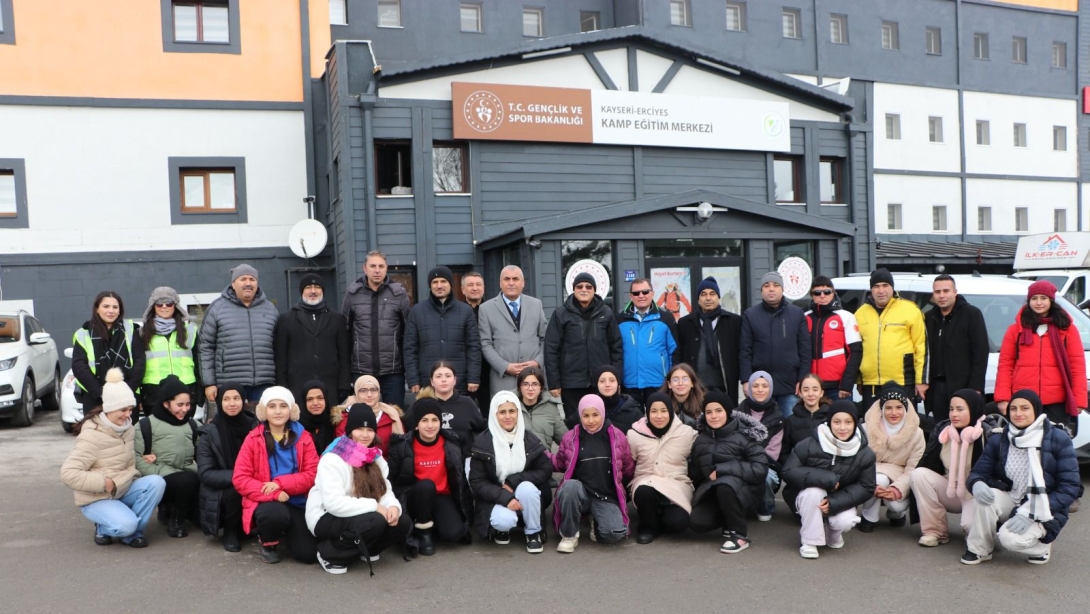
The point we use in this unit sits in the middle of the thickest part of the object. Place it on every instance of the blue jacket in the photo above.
(776, 340)
(1058, 463)
(650, 346)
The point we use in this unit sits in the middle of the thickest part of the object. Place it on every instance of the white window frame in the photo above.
(1020, 137)
(1059, 138)
(396, 4)
(838, 29)
(534, 10)
(984, 219)
(739, 9)
(893, 127)
(1059, 54)
(933, 40)
(1021, 219)
(938, 218)
(471, 6)
(596, 16)
(1059, 220)
(983, 132)
(791, 19)
(686, 13)
(894, 216)
(934, 129)
(891, 36)
(981, 47)
(338, 8)
(1019, 50)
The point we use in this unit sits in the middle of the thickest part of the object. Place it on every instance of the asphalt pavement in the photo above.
(49, 563)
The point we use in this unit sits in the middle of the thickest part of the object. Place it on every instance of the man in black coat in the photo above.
(441, 328)
(958, 347)
(708, 341)
(311, 342)
(582, 335)
(776, 338)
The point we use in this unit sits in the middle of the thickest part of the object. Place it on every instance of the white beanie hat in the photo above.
(116, 394)
(277, 393)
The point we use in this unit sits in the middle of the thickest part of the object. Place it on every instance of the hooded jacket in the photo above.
(777, 340)
(172, 445)
(485, 484)
(442, 331)
(808, 466)
(835, 345)
(728, 332)
(663, 462)
(312, 344)
(1034, 367)
(578, 341)
(895, 456)
(650, 346)
(894, 343)
(237, 341)
(100, 453)
(567, 456)
(252, 471)
(545, 419)
(376, 325)
(736, 453)
(214, 475)
(958, 343)
(801, 425)
(334, 491)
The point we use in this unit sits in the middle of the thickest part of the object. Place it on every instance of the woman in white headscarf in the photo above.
(509, 475)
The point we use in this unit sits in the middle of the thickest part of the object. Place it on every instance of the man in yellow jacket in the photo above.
(894, 340)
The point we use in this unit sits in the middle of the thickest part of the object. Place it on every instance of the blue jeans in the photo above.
(253, 393)
(767, 504)
(574, 502)
(786, 403)
(529, 496)
(128, 516)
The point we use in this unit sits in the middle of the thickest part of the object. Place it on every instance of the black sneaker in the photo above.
(501, 537)
(898, 521)
(332, 568)
(972, 558)
(269, 554)
(103, 540)
(138, 542)
(533, 543)
(865, 526)
(645, 538)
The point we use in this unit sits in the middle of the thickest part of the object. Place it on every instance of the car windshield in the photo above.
(9, 329)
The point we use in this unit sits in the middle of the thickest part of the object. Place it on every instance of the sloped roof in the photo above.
(935, 251)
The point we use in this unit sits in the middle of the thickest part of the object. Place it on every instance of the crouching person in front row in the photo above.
(101, 469)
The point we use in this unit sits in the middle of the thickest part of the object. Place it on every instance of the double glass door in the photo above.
(676, 268)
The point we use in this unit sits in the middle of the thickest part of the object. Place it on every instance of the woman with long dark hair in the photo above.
(106, 341)
(458, 412)
(686, 393)
(170, 343)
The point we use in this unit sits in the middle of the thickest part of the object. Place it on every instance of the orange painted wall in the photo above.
(114, 49)
(1060, 5)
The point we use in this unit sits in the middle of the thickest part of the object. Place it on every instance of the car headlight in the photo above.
(9, 363)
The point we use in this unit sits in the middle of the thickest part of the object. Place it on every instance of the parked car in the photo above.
(998, 298)
(29, 369)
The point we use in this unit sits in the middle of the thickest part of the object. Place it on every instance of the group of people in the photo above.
(631, 410)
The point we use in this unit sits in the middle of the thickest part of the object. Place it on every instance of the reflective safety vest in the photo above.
(164, 357)
(82, 338)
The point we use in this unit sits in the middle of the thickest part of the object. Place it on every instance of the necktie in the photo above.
(514, 309)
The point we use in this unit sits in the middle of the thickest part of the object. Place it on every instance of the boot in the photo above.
(164, 514)
(231, 541)
(176, 524)
(427, 541)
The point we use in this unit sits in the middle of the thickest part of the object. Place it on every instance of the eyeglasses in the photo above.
(640, 292)
(167, 304)
(584, 287)
(530, 385)
(821, 292)
(368, 390)
(681, 380)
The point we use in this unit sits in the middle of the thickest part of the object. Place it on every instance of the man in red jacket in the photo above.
(835, 343)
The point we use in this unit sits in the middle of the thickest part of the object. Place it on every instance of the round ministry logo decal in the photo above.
(483, 111)
(774, 124)
(797, 276)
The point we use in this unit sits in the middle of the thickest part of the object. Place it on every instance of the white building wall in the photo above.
(1004, 196)
(917, 195)
(1001, 157)
(914, 151)
(97, 179)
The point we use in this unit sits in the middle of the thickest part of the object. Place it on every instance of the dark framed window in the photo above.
(393, 168)
(787, 175)
(7, 23)
(449, 170)
(200, 26)
(207, 190)
(590, 21)
(831, 173)
(13, 204)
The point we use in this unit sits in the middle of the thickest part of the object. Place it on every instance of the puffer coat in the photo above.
(376, 325)
(215, 476)
(736, 453)
(485, 485)
(446, 331)
(578, 341)
(546, 420)
(895, 456)
(173, 446)
(809, 466)
(663, 462)
(100, 453)
(237, 341)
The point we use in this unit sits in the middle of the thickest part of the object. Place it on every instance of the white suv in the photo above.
(998, 298)
(29, 370)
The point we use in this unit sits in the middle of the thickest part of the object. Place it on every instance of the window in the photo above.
(890, 36)
(984, 219)
(934, 129)
(893, 127)
(1019, 135)
(1018, 50)
(207, 190)
(736, 16)
(680, 15)
(792, 21)
(200, 26)
(980, 46)
(7, 24)
(933, 38)
(1059, 138)
(448, 168)
(389, 13)
(590, 21)
(983, 132)
(13, 205)
(1059, 220)
(1059, 55)
(1021, 219)
(393, 168)
(831, 174)
(471, 17)
(893, 217)
(533, 22)
(787, 174)
(938, 218)
(8, 206)
(338, 13)
(838, 29)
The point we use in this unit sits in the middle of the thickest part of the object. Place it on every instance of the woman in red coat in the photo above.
(1043, 352)
(274, 472)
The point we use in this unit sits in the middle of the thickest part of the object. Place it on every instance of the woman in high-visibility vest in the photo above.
(171, 347)
(105, 341)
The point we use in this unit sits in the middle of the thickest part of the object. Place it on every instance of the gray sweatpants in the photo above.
(573, 502)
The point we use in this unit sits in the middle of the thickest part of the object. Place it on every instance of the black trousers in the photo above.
(424, 505)
(336, 536)
(641, 394)
(937, 400)
(570, 398)
(720, 508)
(182, 492)
(231, 510)
(657, 513)
(276, 521)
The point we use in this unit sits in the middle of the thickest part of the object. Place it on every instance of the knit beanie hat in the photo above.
(708, 283)
(441, 272)
(772, 276)
(243, 269)
(277, 393)
(892, 391)
(1044, 287)
(842, 406)
(717, 396)
(311, 279)
(116, 394)
(171, 387)
(165, 294)
(422, 407)
(360, 415)
(584, 278)
(881, 276)
(822, 281)
(592, 401)
(598, 372)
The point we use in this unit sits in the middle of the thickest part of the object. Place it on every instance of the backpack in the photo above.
(145, 431)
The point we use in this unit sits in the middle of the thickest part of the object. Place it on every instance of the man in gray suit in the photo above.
(512, 327)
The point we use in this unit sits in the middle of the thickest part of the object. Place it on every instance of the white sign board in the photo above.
(797, 277)
(1054, 250)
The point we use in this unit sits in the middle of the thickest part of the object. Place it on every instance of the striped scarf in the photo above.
(1035, 504)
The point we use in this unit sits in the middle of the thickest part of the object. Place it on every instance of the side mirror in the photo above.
(38, 338)
(67, 352)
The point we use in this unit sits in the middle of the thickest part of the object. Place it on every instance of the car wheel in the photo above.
(53, 401)
(26, 416)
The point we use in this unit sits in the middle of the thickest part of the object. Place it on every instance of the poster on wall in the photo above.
(729, 279)
(671, 287)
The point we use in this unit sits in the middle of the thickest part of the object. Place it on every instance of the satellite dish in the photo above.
(307, 238)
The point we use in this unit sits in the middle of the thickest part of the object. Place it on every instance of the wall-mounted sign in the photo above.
(597, 271)
(485, 111)
(797, 277)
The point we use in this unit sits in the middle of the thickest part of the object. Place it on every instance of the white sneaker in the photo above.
(808, 552)
(567, 544)
(930, 541)
(837, 545)
(1040, 559)
(332, 568)
(764, 517)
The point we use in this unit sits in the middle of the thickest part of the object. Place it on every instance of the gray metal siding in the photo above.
(548, 264)
(738, 173)
(453, 230)
(826, 257)
(628, 255)
(396, 227)
(391, 122)
(758, 262)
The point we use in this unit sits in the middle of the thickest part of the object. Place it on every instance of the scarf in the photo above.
(610, 402)
(961, 446)
(509, 446)
(165, 326)
(659, 397)
(318, 307)
(1035, 505)
(892, 429)
(164, 414)
(353, 453)
(314, 423)
(711, 344)
(104, 421)
(1058, 354)
(831, 445)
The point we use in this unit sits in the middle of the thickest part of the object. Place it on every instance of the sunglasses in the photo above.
(640, 292)
(584, 287)
(821, 293)
(164, 304)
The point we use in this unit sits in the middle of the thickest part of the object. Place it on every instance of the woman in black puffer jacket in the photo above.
(729, 463)
(827, 477)
(217, 449)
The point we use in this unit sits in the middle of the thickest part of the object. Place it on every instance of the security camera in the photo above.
(308, 199)
(704, 211)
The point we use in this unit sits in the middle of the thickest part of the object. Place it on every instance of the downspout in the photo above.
(367, 102)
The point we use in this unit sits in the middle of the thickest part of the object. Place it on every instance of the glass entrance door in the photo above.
(676, 268)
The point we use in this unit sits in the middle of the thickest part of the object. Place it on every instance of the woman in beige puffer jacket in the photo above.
(893, 433)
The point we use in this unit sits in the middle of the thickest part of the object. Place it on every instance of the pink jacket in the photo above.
(623, 466)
